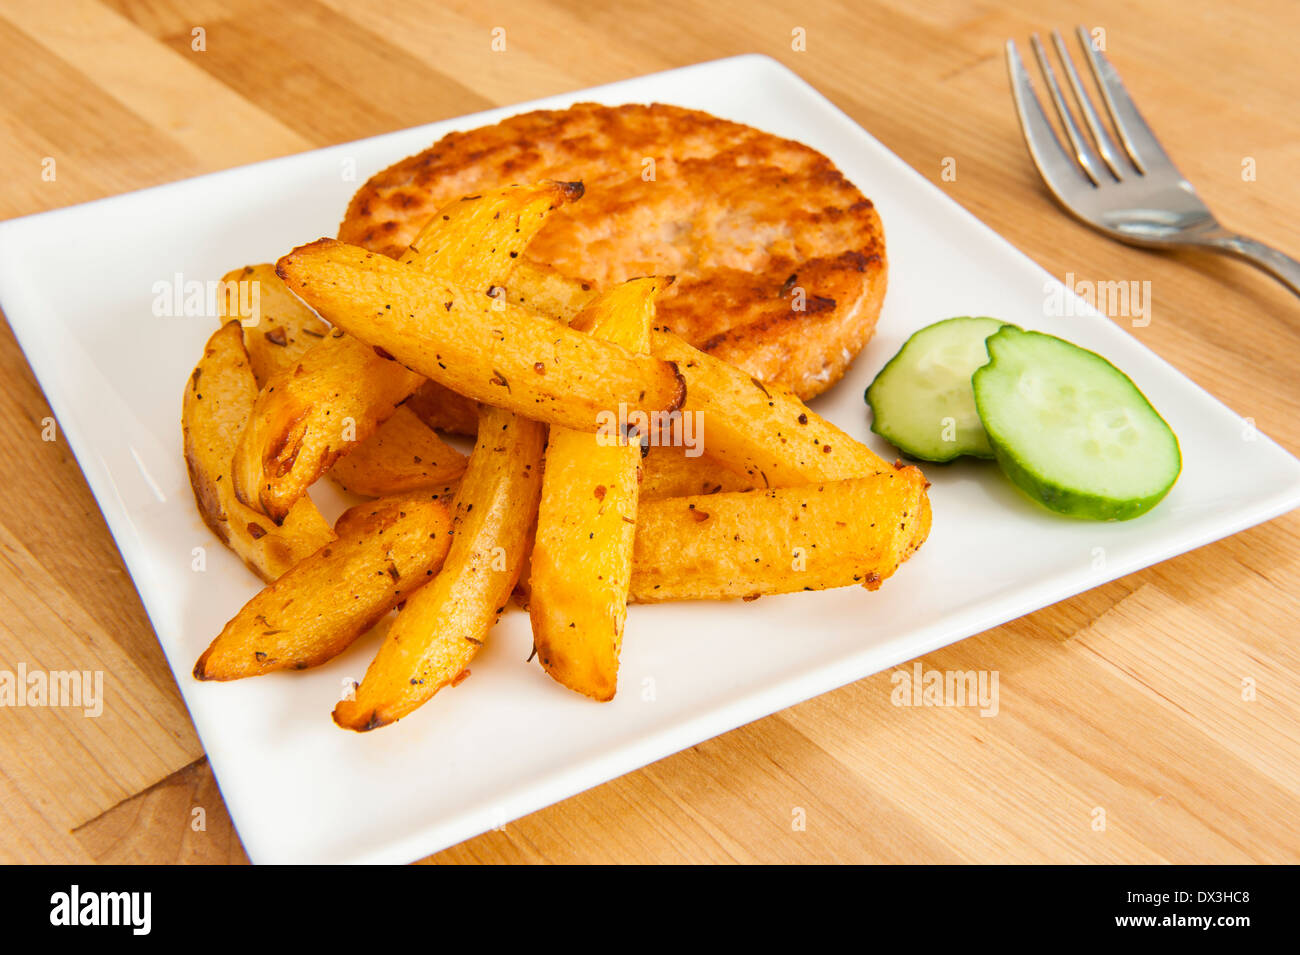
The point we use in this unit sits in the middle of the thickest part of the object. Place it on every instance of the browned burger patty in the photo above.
(780, 260)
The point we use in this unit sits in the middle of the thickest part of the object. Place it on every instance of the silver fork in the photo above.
(1134, 193)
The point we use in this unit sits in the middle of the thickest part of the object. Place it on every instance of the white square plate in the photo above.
(78, 284)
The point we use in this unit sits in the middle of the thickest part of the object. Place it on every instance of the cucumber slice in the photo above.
(922, 402)
(1072, 430)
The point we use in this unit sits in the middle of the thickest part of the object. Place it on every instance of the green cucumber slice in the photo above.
(921, 401)
(1071, 429)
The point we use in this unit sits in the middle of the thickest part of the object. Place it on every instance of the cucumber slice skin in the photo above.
(1072, 502)
(901, 433)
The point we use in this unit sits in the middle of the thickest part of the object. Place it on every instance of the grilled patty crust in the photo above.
(779, 260)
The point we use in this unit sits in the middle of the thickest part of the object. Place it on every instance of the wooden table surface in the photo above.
(1125, 732)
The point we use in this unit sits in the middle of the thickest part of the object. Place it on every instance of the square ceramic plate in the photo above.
(509, 740)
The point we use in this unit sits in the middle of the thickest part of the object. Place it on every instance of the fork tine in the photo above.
(1056, 167)
(1105, 146)
(1072, 132)
(1139, 142)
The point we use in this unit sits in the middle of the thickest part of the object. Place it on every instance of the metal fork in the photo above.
(1132, 192)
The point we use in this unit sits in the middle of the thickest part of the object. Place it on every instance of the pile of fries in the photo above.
(572, 516)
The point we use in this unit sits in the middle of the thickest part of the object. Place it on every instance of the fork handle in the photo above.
(1277, 264)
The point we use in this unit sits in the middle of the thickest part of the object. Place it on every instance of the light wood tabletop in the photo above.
(1153, 719)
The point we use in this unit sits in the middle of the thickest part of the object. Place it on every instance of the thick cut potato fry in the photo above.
(668, 471)
(403, 455)
(441, 408)
(781, 540)
(280, 330)
(357, 518)
(218, 400)
(484, 348)
(761, 430)
(316, 610)
(312, 413)
(581, 561)
(547, 290)
(442, 626)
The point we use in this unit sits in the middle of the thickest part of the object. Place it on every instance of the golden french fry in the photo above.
(761, 430)
(781, 540)
(437, 633)
(357, 518)
(441, 408)
(545, 289)
(586, 523)
(218, 400)
(278, 328)
(311, 414)
(668, 471)
(484, 348)
(316, 610)
(317, 410)
(403, 455)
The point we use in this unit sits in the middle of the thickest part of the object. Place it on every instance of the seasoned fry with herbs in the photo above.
(582, 557)
(218, 399)
(403, 455)
(309, 415)
(782, 540)
(316, 610)
(338, 393)
(761, 430)
(356, 519)
(442, 626)
(280, 329)
(441, 408)
(668, 471)
(477, 345)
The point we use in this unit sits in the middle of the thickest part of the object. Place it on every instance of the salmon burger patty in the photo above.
(779, 260)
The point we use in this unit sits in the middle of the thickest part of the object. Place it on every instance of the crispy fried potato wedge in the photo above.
(581, 560)
(403, 455)
(356, 518)
(437, 633)
(760, 430)
(668, 471)
(316, 610)
(218, 400)
(781, 540)
(763, 431)
(481, 347)
(278, 328)
(545, 289)
(312, 413)
(441, 408)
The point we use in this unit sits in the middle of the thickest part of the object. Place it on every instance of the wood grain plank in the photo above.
(71, 764)
(216, 127)
(178, 821)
